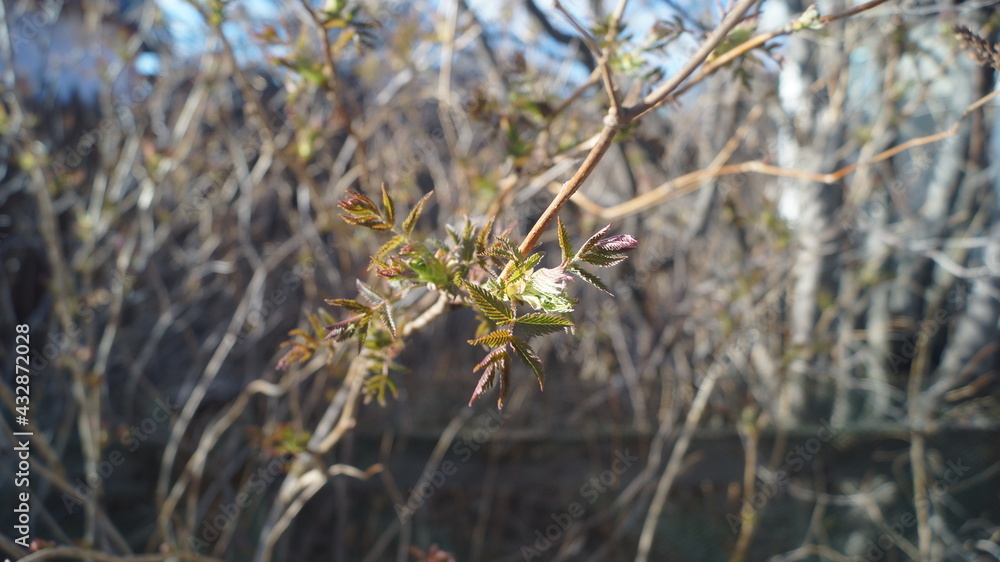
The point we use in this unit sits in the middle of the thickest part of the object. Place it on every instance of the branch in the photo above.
(617, 122)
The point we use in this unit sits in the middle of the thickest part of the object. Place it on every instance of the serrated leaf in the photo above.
(603, 259)
(411, 219)
(529, 356)
(373, 222)
(496, 364)
(390, 210)
(350, 304)
(504, 383)
(491, 306)
(362, 211)
(389, 246)
(503, 248)
(342, 331)
(607, 251)
(356, 203)
(589, 278)
(369, 294)
(564, 243)
(385, 313)
(498, 354)
(592, 241)
(363, 333)
(494, 339)
(540, 324)
(484, 236)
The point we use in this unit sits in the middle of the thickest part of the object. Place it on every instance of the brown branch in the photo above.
(602, 61)
(616, 122)
(691, 181)
(666, 90)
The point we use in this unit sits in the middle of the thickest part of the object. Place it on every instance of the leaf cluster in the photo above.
(471, 267)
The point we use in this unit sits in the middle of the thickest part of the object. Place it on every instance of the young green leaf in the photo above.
(411, 219)
(491, 306)
(523, 268)
(363, 333)
(540, 324)
(390, 210)
(385, 313)
(350, 304)
(389, 246)
(529, 356)
(369, 294)
(564, 243)
(483, 239)
(589, 278)
(494, 339)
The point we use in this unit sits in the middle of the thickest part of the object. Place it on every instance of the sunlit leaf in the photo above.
(491, 306)
(564, 243)
(494, 339)
(385, 313)
(389, 246)
(369, 294)
(411, 219)
(390, 209)
(529, 356)
(592, 241)
(589, 278)
(350, 304)
(540, 324)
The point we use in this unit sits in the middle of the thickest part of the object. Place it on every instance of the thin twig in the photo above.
(613, 125)
(691, 181)
(602, 61)
(674, 464)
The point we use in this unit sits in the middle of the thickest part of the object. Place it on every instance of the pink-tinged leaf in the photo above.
(357, 203)
(618, 243)
(592, 241)
(497, 354)
(504, 384)
(525, 352)
(343, 330)
(495, 363)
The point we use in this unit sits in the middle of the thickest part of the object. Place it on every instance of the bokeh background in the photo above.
(791, 369)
